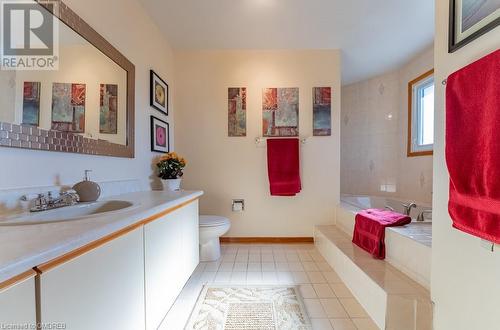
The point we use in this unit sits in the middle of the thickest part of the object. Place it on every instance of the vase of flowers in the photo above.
(170, 168)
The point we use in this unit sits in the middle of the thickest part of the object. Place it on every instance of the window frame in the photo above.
(412, 117)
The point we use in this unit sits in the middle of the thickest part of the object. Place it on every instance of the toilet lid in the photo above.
(212, 221)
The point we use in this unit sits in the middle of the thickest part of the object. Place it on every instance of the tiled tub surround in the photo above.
(408, 248)
(25, 247)
(393, 300)
(374, 136)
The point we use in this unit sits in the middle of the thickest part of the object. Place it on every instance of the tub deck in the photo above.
(420, 232)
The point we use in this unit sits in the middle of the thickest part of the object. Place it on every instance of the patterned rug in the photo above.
(249, 308)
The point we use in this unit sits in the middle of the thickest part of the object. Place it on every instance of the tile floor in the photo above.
(328, 301)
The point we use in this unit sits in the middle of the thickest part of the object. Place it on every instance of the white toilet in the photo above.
(211, 228)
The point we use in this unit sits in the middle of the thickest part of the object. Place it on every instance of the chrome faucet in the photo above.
(47, 202)
(408, 207)
(421, 217)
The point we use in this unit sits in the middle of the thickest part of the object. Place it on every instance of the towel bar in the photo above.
(261, 139)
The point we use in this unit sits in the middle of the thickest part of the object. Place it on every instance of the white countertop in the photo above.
(26, 246)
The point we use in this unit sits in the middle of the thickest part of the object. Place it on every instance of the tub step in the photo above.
(392, 299)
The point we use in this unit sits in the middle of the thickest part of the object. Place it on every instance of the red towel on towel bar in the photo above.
(473, 147)
(369, 230)
(283, 166)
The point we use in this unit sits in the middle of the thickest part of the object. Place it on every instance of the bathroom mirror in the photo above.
(86, 105)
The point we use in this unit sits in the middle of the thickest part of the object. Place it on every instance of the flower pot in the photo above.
(171, 184)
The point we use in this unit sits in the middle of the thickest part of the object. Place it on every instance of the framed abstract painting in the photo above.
(237, 111)
(322, 111)
(108, 111)
(159, 93)
(470, 19)
(280, 112)
(68, 107)
(31, 103)
(159, 135)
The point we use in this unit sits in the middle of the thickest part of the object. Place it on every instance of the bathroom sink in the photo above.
(78, 212)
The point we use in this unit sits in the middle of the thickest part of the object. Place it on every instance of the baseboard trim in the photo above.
(267, 240)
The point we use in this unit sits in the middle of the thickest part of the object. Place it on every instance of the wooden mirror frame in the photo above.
(34, 138)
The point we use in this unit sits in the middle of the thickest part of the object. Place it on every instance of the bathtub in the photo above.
(359, 202)
(408, 248)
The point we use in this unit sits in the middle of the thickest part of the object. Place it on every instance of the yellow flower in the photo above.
(172, 156)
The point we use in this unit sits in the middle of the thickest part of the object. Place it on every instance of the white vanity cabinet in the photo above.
(171, 254)
(18, 303)
(127, 280)
(101, 289)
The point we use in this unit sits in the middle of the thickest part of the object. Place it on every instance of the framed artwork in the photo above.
(237, 108)
(31, 103)
(322, 111)
(108, 111)
(470, 19)
(159, 135)
(159, 93)
(280, 112)
(68, 107)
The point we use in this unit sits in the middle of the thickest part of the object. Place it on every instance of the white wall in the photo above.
(465, 277)
(374, 136)
(7, 83)
(227, 168)
(125, 25)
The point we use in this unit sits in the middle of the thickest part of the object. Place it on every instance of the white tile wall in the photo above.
(374, 137)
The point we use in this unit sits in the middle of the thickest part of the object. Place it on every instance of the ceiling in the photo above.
(374, 36)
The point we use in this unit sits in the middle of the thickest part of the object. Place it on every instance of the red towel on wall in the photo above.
(283, 166)
(473, 147)
(369, 230)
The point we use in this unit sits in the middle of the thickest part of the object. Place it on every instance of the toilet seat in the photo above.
(213, 221)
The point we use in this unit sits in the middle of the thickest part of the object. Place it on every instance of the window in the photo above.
(421, 115)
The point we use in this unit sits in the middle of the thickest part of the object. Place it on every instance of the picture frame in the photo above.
(469, 21)
(237, 111)
(31, 103)
(158, 93)
(160, 135)
(322, 111)
(280, 112)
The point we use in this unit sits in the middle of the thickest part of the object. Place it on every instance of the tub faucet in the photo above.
(421, 217)
(408, 207)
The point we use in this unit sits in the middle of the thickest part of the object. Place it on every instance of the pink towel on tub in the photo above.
(369, 230)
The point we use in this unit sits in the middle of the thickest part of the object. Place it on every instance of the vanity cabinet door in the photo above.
(18, 304)
(190, 238)
(170, 243)
(101, 289)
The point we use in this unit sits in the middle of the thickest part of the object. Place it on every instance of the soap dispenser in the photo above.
(88, 191)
